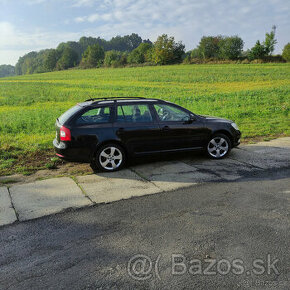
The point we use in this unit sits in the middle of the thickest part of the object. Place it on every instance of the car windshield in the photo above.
(65, 116)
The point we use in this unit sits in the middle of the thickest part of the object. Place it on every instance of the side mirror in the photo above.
(190, 119)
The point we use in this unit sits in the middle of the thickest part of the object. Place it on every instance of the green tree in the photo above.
(260, 50)
(132, 41)
(112, 58)
(166, 50)
(68, 59)
(196, 53)
(124, 43)
(50, 60)
(76, 46)
(25, 63)
(286, 52)
(123, 60)
(93, 56)
(257, 52)
(85, 42)
(230, 47)
(209, 46)
(7, 70)
(139, 54)
(149, 54)
(270, 41)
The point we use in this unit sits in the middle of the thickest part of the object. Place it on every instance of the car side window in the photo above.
(95, 116)
(170, 113)
(134, 114)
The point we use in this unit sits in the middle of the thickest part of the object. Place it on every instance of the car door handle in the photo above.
(165, 128)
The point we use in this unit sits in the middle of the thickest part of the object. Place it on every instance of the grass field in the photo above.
(256, 97)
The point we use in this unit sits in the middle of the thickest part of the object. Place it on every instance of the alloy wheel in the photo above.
(110, 158)
(218, 147)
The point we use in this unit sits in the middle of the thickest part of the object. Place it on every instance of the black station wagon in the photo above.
(106, 132)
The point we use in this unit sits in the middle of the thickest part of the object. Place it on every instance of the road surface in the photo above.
(224, 235)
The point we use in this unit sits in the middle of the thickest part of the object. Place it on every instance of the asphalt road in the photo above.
(236, 232)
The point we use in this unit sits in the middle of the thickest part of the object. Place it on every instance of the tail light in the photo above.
(64, 134)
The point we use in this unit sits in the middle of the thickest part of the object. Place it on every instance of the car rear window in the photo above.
(69, 113)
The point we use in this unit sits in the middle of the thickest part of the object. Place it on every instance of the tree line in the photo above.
(90, 52)
(7, 70)
(231, 48)
(70, 54)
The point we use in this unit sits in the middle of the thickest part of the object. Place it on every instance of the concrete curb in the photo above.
(7, 212)
(40, 198)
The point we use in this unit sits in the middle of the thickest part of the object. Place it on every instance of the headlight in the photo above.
(235, 126)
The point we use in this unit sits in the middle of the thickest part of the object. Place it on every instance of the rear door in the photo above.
(137, 128)
(91, 127)
(180, 129)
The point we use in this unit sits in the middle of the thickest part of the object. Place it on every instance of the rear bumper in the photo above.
(67, 151)
(61, 150)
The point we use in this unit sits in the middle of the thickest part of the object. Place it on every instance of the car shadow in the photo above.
(197, 167)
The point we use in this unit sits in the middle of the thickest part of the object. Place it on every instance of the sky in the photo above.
(32, 25)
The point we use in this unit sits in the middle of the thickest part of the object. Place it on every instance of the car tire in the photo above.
(109, 158)
(219, 146)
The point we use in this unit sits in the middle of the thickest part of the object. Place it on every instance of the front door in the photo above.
(179, 128)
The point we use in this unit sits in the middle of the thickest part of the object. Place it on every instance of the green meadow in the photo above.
(255, 96)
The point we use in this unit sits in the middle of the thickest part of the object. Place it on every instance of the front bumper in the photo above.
(237, 139)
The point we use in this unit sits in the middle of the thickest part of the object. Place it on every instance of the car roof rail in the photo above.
(112, 98)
